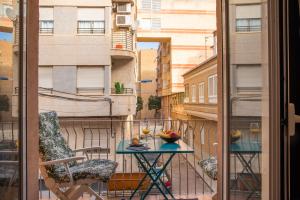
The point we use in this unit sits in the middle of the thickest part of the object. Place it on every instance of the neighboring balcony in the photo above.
(122, 45)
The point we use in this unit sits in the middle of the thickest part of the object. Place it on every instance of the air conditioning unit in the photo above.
(123, 20)
(124, 8)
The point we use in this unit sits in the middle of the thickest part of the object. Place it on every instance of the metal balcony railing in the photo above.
(90, 27)
(125, 91)
(186, 178)
(46, 27)
(90, 90)
(122, 40)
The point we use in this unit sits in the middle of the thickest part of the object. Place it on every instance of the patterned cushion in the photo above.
(53, 146)
(210, 167)
(91, 169)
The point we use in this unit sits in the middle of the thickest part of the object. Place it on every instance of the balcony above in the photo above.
(122, 45)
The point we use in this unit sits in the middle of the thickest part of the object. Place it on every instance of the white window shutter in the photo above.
(45, 76)
(91, 14)
(90, 77)
(46, 13)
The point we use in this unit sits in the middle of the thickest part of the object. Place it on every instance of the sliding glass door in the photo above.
(12, 70)
(246, 80)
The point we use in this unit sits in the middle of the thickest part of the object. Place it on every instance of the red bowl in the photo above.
(171, 140)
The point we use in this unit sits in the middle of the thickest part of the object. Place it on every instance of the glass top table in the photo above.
(245, 147)
(156, 145)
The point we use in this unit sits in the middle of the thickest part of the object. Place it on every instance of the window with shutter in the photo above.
(46, 20)
(201, 92)
(248, 79)
(212, 89)
(90, 79)
(91, 21)
(194, 93)
(46, 77)
(248, 18)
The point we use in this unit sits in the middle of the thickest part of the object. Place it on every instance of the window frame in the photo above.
(212, 97)
(194, 93)
(91, 30)
(201, 89)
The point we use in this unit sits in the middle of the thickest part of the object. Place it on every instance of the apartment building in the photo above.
(200, 103)
(87, 58)
(185, 30)
(147, 80)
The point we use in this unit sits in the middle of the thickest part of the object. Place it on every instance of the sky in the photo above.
(6, 36)
(147, 45)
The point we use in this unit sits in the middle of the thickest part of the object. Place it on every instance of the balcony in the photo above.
(122, 45)
(185, 176)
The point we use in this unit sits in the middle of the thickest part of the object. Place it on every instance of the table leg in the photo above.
(144, 178)
(247, 167)
(155, 177)
(158, 175)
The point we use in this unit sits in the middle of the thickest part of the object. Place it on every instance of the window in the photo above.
(150, 23)
(201, 92)
(46, 20)
(90, 79)
(46, 77)
(91, 21)
(154, 5)
(248, 18)
(248, 79)
(212, 89)
(186, 95)
(193, 93)
(202, 135)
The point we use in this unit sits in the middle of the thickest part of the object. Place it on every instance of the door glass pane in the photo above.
(248, 51)
(9, 105)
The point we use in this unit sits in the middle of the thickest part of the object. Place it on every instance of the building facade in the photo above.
(87, 58)
(200, 103)
(147, 80)
(185, 31)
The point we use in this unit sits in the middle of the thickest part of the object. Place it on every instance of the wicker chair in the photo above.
(63, 174)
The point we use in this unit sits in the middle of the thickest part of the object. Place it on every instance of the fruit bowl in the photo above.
(169, 136)
(170, 140)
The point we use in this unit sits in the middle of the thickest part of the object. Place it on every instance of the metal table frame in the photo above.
(158, 147)
(252, 149)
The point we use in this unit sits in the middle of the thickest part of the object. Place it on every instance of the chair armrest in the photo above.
(89, 149)
(64, 161)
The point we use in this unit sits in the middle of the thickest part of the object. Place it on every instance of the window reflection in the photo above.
(246, 68)
(9, 144)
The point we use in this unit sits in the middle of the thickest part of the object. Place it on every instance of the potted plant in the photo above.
(119, 88)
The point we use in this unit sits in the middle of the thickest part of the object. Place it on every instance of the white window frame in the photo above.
(212, 89)
(88, 24)
(46, 20)
(193, 88)
(201, 92)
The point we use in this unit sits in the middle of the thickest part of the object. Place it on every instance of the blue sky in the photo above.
(6, 36)
(147, 45)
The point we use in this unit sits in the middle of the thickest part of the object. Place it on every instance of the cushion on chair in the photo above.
(210, 167)
(53, 146)
(101, 169)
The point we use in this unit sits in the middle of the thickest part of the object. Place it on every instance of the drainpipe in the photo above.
(110, 115)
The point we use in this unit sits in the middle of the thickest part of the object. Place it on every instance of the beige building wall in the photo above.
(148, 71)
(189, 29)
(66, 50)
